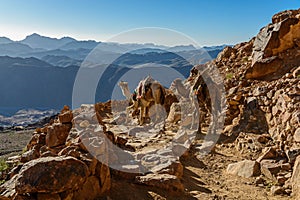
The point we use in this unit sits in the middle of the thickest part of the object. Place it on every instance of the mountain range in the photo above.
(39, 72)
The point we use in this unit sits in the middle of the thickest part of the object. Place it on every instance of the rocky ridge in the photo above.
(263, 116)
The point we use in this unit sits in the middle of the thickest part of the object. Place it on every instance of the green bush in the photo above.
(3, 165)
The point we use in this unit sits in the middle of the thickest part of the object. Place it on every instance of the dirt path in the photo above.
(206, 178)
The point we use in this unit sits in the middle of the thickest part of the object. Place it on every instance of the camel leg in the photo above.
(147, 113)
(141, 121)
(196, 112)
(158, 112)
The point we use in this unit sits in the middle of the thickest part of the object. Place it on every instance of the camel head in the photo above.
(177, 83)
(123, 84)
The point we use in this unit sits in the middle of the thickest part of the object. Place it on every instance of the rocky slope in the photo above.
(262, 78)
(93, 152)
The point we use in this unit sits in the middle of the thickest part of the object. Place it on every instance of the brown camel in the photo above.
(149, 92)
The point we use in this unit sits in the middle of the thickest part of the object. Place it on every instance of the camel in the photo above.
(131, 98)
(179, 88)
(149, 92)
(125, 90)
(208, 97)
(187, 92)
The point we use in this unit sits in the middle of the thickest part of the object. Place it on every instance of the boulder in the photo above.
(89, 191)
(268, 153)
(271, 47)
(163, 181)
(30, 155)
(284, 15)
(297, 135)
(277, 190)
(246, 168)
(65, 117)
(264, 67)
(295, 180)
(270, 168)
(51, 175)
(57, 134)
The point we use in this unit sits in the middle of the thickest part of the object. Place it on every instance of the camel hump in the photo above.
(158, 92)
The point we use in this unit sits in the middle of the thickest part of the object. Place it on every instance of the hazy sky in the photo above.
(209, 22)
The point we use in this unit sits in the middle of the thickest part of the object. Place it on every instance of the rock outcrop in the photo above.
(275, 48)
(263, 96)
(54, 167)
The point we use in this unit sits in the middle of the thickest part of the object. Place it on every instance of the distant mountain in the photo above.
(15, 49)
(182, 48)
(78, 54)
(38, 41)
(31, 83)
(90, 44)
(147, 50)
(9, 62)
(39, 72)
(5, 40)
(61, 61)
(26, 117)
(219, 47)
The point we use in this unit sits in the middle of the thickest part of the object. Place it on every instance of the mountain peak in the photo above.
(38, 41)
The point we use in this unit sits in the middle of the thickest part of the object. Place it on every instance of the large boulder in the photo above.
(275, 47)
(296, 178)
(51, 175)
(57, 134)
(246, 168)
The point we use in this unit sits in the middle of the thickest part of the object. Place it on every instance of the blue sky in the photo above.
(209, 22)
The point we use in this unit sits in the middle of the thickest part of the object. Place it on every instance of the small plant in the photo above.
(245, 59)
(2, 181)
(3, 165)
(269, 185)
(24, 149)
(229, 75)
(298, 76)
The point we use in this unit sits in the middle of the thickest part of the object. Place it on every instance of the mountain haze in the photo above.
(39, 71)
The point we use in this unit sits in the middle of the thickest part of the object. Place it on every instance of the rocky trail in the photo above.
(97, 152)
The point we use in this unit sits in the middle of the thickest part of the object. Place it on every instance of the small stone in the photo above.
(259, 180)
(281, 180)
(297, 135)
(263, 139)
(164, 181)
(268, 153)
(277, 190)
(84, 124)
(292, 155)
(270, 168)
